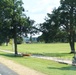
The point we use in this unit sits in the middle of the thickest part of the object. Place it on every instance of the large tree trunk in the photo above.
(72, 32)
(71, 41)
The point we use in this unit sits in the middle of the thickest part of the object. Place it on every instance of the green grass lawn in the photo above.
(54, 49)
(40, 48)
(45, 66)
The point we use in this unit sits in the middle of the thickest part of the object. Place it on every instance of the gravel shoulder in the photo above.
(19, 69)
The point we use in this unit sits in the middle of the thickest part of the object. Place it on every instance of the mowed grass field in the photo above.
(45, 66)
(40, 48)
(53, 49)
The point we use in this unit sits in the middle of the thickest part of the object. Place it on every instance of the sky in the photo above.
(37, 9)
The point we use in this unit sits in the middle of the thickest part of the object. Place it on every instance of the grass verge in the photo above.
(44, 66)
(55, 49)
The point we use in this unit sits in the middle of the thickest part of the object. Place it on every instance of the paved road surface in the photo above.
(6, 71)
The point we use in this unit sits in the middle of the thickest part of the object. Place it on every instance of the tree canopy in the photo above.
(61, 24)
(13, 22)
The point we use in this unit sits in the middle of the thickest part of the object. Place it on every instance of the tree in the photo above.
(64, 17)
(50, 27)
(68, 20)
(30, 27)
(16, 15)
(4, 24)
(12, 20)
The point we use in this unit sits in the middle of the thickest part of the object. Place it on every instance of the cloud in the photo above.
(44, 2)
(37, 9)
(39, 18)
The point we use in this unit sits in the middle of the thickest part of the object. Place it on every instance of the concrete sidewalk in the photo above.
(60, 60)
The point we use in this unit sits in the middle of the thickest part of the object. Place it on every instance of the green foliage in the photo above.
(19, 40)
(68, 19)
(63, 28)
(13, 22)
(49, 30)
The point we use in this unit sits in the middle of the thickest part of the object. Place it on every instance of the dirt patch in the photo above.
(21, 70)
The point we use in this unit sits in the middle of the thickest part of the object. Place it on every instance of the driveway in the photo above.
(6, 71)
(19, 69)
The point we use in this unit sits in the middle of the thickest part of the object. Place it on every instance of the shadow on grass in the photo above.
(54, 54)
(64, 68)
(9, 55)
(57, 54)
(40, 54)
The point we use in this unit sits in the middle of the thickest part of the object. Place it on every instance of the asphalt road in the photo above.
(4, 70)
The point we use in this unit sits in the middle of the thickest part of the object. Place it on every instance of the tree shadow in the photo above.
(62, 55)
(64, 68)
(10, 55)
(57, 54)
